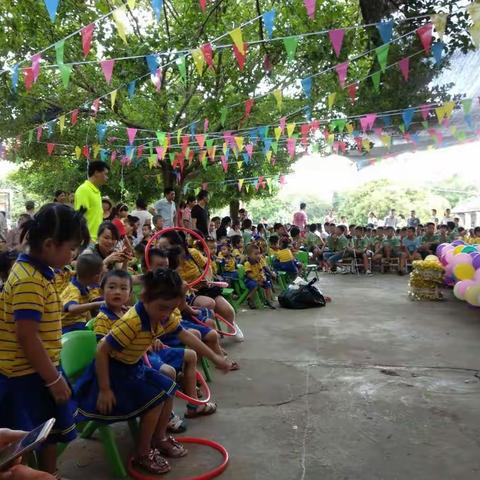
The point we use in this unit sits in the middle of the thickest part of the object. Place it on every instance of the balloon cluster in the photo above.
(462, 269)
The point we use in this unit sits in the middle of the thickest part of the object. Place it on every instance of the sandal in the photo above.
(233, 366)
(194, 411)
(171, 448)
(152, 463)
(252, 305)
(176, 424)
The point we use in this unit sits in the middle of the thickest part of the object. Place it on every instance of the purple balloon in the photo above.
(458, 242)
(440, 248)
(476, 261)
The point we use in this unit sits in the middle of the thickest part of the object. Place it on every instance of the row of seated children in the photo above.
(119, 384)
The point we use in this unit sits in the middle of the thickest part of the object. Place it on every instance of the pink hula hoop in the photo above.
(193, 234)
(233, 328)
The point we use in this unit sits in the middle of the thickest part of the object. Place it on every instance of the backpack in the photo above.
(301, 296)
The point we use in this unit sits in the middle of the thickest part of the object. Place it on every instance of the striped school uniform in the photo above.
(75, 294)
(30, 294)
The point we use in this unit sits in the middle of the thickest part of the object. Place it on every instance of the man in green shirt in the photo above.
(358, 247)
(337, 244)
(390, 248)
(88, 196)
(429, 241)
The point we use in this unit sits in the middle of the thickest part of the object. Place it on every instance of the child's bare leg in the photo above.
(211, 340)
(168, 371)
(148, 425)
(189, 377)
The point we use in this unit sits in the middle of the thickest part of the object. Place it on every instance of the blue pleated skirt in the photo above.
(137, 389)
(170, 356)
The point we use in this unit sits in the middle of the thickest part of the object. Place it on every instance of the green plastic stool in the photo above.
(206, 369)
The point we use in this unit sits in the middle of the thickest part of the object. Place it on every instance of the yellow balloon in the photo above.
(458, 249)
(464, 271)
(432, 258)
(472, 295)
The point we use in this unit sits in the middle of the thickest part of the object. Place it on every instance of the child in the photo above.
(119, 386)
(33, 388)
(255, 268)
(7, 260)
(77, 297)
(284, 259)
(410, 246)
(227, 261)
(337, 243)
(158, 223)
(247, 231)
(273, 244)
(390, 248)
(297, 241)
(475, 238)
(314, 243)
(358, 248)
(238, 248)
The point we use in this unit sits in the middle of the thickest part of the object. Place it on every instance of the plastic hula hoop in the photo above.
(233, 328)
(215, 472)
(183, 396)
(193, 234)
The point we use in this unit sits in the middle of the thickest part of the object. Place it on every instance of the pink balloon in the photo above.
(443, 259)
(447, 248)
(462, 258)
(477, 275)
(461, 287)
(449, 257)
(449, 270)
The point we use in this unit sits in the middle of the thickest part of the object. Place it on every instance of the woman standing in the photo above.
(107, 207)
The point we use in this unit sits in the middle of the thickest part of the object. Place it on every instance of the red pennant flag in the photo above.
(203, 5)
(404, 66)
(140, 151)
(336, 39)
(107, 69)
(185, 140)
(50, 147)
(239, 56)
(248, 107)
(314, 125)
(267, 65)
(305, 129)
(87, 35)
(39, 133)
(86, 152)
(200, 140)
(74, 116)
(28, 72)
(352, 91)
(359, 142)
(208, 54)
(223, 159)
(425, 34)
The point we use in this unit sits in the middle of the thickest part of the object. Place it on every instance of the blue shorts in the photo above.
(170, 356)
(333, 257)
(230, 275)
(252, 284)
(290, 266)
(74, 327)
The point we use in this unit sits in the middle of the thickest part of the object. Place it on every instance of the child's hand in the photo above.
(60, 391)
(158, 345)
(106, 401)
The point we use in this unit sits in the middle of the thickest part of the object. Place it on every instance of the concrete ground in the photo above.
(374, 386)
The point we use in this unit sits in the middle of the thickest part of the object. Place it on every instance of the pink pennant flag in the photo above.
(208, 54)
(407, 137)
(425, 34)
(341, 69)
(336, 39)
(28, 72)
(223, 159)
(74, 116)
(191, 154)
(140, 151)
(343, 146)
(36, 66)
(425, 110)
(404, 65)
(291, 146)
(359, 142)
(39, 133)
(261, 182)
(159, 151)
(113, 156)
(87, 35)
(378, 131)
(185, 140)
(352, 92)
(249, 149)
(200, 140)
(50, 148)
(305, 129)
(283, 122)
(314, 125)
(310, 6)
(205, 125)
(131, 132)
(95, 105)
(248, 107)
(107, 69)
(240, 57)
(282, 180)
(367, 121)
(203, 5)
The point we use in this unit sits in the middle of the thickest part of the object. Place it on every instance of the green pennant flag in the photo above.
(182, 67)
(315, 148)
(65, 71)
(209, 143)
(339, 124)
(402, 127)
(30, 136)
(204, 162)
(376, 81)
(160, 137)
(171, 155)
(223, 115)
(461, 136)
(425, 124)
(382, 55)
(467, 105)
(290, 47)
(275, 147)
(197, 191)
(150, 148)
(59, 46)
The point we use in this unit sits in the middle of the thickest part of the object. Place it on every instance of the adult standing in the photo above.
(413, 220)
(187, 212)
(30, 208)
(88, 196)
(60, 197)
(107, 207)
(200, 213)
(300, 218)
(372, 219)
(391, 220)
(434, 218)
(447, 217)
(143, 215)
(166, 208)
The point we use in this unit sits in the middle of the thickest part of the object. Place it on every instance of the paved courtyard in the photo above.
(374, 386)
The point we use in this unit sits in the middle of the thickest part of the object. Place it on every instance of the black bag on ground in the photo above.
(303, 296)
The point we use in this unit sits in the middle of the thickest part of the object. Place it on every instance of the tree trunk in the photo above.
(234, 207)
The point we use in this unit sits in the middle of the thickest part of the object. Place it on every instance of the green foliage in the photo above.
(455, 189)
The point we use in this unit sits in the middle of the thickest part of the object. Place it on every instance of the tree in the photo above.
(185, 98)
(455, 189)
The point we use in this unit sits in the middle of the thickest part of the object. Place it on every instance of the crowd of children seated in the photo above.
(56, 282)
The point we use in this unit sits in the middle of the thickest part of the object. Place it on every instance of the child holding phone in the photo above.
(32, 387)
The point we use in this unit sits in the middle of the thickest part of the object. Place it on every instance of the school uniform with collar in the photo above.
(285, 261)
(257, 277)
(30, 294)
(137, 387)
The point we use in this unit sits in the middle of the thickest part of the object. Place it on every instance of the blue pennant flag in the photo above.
(268, 19)
(101, 131)
(103, 154)
(387, 120)
(246, 158)
(131, 88)
(385, 29)
(262, 132)
(15, 78)
(437, 51)
(52, 6)
(415, 137)
(308, 114)
(407, 116)
(227, 153)
(267, 142)
(193, 129)
(253, 135)
(469, 120)
(157, 6)
(152, 63)
(307, 86)
(129, 151)
(50, 128)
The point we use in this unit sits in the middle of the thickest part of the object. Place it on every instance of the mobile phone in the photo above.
(29, 442)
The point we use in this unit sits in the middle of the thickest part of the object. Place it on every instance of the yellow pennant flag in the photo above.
(96, 150)
(331, 138)
(225, 147)
(449, 106)
(475, 33)
(198, 60)
(179, 134)
(474, 12)
(78, 152)
(290, 128)
(61, 123)
(331, 100)
(279, 98)
(268, 155)
(240, 183)
(349, 127)
(366, 144)
(239, 142)
(278, 132)
(386, 140)
(152, 161)
(117, 18)
(238, 40)
(131, 3)
(113, 98)
(441, 112)
(453, 130)
(239, 165)
(440, 22)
